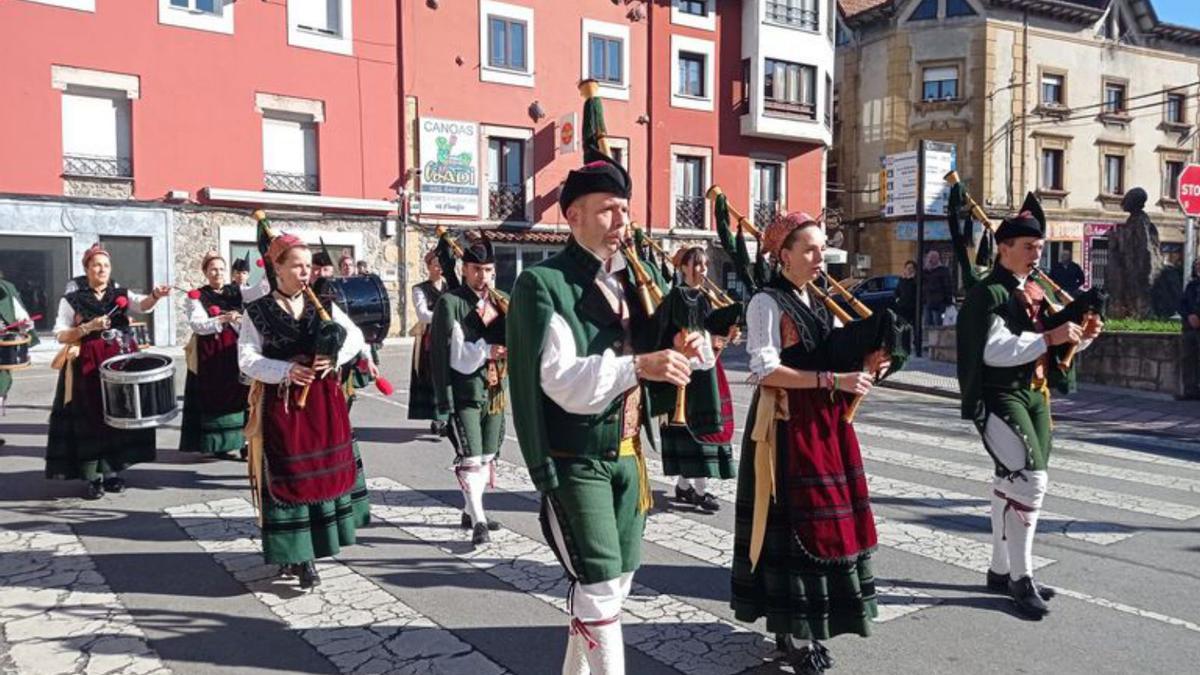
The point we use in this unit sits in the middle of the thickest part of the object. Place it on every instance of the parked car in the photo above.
(877, 293)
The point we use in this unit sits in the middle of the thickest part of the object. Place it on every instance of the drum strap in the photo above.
(66, 359)
(254, 441)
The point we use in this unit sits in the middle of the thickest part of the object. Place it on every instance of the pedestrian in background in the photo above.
(1189, 348)
(906, 293)
(937, 288)
(1067, 273)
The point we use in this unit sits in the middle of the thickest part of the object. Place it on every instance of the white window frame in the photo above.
(486, 133)
(761, 158)
(62, 77)
(706, 154)
(707, 22)
(706, 48)
(614, 31)
(247, 234)
(342, 43)
(621, 144)
(489, 8)
(302, 110)
(81, 5)
(220, 22)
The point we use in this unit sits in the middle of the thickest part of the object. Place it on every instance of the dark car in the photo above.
(877, 293)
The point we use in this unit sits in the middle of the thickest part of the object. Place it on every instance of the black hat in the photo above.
(479, 252)
(242, 264)
(322, 259)
(602, 175)
(1030, 222)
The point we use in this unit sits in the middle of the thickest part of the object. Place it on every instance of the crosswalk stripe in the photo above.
(348, 619)
(58, 615)
(1096, 496)
(672, 632)
(1057, 462)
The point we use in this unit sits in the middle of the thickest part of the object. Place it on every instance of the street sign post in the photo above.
(1189, 201)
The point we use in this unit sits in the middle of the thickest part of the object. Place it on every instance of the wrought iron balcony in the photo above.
(689, 212)
(506, 201)
(282, 181)
(788, 14)
(97, 165)
(765, 212)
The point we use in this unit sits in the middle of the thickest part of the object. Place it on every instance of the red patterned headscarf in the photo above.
(93, 251)
(779, 229)
(281, 244)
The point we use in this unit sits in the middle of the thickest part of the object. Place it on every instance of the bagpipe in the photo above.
(1091, 303)
(864, 331)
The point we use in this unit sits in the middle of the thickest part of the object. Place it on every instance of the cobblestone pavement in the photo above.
(167, 577)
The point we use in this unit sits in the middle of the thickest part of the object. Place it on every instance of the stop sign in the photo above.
(1189, 190)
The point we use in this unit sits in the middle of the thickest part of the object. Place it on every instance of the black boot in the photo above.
(308, 575)
(1029, 603)
(707, 502)
(998, 583)
(467, 524)
(95, 490)
(244, 452)
(479, 534)
(687, 496)
(811, 660)
(114, 484)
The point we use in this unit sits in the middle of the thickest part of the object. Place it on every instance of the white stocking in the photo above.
(999, 546)
(700, 484)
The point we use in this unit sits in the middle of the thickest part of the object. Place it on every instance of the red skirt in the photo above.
(309, 453)
(219, 389)
(824, 480)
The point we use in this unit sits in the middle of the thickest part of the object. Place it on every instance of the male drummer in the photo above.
(323, 264)
(12, 317)
(466, 351)
(241, 271)
(346, 265)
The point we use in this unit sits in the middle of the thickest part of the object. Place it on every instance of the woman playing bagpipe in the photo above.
(697, 435)
(424, 298)
(93, 326)
(804, 530)
(304, 466)
(214, 398)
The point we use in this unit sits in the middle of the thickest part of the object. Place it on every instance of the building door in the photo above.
(39, 267)
(132, 267)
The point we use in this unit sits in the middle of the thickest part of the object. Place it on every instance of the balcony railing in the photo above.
(788, 14)
(98, 166)
(765, 212)
(689, 212)
(807, 111)
(282, 181)
(506, 201)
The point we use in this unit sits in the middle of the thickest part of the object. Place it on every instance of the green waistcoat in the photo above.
(566, 285)
(451, 387)
(8, 314)
(993, 296)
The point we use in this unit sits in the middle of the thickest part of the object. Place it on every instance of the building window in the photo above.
(694, 13)
(506, 43)
(766, 191)
(1114, 174)
(96, 133)
(1052, 169)
(689, 192)
(506, 179)
(691, 74)
(81, 5)
(958, 8)
(1176, 108)
(604, 59)
(321, 24)
(199, 6)
(210, 15)
(289, 152)
(790, 88)
(940, 84)
(1171, 172)
(1114, 98)
(1052, 90)
(927, 10)
(693, 7)
(831, 22)
(795, 13)
(828, 100)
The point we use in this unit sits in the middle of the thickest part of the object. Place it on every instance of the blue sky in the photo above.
(1184, 12)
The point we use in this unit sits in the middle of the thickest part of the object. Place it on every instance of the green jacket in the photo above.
(8, 314)
(993, 296)
(451, 387)
(566, 285)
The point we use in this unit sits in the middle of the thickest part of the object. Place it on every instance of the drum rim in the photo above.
(141, 422)
(16, 366)
(16, 343)
(108, 375)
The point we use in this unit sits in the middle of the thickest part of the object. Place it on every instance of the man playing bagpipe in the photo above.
(468, 362)
(1015, 343)
(580, 336)
(698, 431)
(305, 472)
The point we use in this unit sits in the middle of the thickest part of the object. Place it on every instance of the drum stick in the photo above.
(17, 324)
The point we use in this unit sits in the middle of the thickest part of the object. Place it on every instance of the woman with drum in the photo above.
(93, 326)
(214, 399)
(305, 467)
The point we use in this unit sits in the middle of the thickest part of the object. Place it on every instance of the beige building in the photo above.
(1076, 100)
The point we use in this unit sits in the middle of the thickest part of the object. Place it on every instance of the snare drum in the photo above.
(14, 351)
(366, 302)
(138, 391)
(140, 333)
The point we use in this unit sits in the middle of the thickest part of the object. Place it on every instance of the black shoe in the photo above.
(479, 534)
(308, 575)
(998, 583)
(811, 661)
(244, 453)
(687, 496)
(95, 490)
(2, 441)
(467, 524)
(708, 502)
(1029, 603)
(114, 484)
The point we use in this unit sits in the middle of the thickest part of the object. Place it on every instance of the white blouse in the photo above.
(66, 313)
(421, 305)
(763, 341)
(273, 371)
(199, 319)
